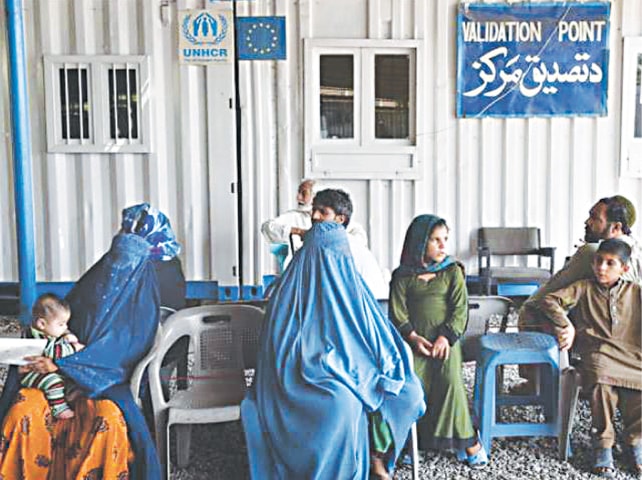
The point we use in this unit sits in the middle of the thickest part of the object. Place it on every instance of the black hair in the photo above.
(337, 200)
(617, 211)
(616, 247)
(47, 305)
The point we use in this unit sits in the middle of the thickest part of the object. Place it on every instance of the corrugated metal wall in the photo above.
(78, 197)
(488, 172)
(543, 172)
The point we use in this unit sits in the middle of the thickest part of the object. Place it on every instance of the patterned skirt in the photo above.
(91, 445)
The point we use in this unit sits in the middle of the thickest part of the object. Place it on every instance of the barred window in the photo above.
(94, 104)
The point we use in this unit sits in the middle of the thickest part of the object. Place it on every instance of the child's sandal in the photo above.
(603, 464)
(479, 459)
(476, 460)
(462, 456)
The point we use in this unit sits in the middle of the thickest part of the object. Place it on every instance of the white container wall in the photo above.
(190, 173)
(543, 172)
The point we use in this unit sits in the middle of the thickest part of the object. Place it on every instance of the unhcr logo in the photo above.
(205, 34)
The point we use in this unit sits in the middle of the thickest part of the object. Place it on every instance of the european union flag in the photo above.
(260, 38)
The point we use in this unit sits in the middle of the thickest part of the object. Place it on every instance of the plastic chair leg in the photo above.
(415, 451)
(162, 445)
(569, 393)
(183, 443)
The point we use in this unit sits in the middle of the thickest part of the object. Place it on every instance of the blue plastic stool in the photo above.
(516, 289)
(516, 349)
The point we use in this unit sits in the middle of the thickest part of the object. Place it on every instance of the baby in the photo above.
(50, 315)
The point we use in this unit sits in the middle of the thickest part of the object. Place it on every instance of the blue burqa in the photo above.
(115, 313)
(327, 357)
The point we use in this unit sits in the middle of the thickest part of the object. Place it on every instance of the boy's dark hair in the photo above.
(47, 305)
(619, 209)
(616, 247)
(337, 200)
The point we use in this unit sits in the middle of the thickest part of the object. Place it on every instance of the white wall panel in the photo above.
(490, 172)
(78, 198)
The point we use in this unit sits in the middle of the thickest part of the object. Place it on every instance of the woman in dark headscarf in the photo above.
(115, 313)
(328, 357)
(429, 305)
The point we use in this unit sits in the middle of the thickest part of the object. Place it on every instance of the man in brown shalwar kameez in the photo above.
(607, 328)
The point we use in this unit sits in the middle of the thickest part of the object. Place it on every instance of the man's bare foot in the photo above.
(65, 414)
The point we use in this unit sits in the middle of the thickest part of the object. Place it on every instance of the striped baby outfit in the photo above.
(52, 384)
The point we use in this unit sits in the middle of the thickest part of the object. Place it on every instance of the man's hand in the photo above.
(40, 364)
(298, 231)
(419, 344)
(565, 336)
(441, 348)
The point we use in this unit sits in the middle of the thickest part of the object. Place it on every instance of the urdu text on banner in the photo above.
(523, 60)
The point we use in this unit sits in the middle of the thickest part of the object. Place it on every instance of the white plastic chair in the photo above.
(137, 376)
(414, 441)
(570, 385)
(481, 309)
(221, 336)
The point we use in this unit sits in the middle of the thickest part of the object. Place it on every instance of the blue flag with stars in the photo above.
(260, 38)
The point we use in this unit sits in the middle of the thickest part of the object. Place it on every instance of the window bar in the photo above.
(137, 89)
(114, 101)
(66, 106)
(80, 105)
(90, 120)
(129, 113)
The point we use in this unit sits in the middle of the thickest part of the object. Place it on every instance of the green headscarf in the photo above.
(414, 248)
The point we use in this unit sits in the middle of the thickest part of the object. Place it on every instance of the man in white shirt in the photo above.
(292, 222)
(297, 221)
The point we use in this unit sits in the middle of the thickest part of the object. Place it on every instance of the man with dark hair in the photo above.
(337, 200)
(607, 332)
(333, 205)
(619, 210)
(610, 217)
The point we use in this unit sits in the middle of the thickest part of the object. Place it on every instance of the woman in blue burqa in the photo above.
(115, 313)
(329, 365)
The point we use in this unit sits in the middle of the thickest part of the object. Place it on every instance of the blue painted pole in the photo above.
(21, 158)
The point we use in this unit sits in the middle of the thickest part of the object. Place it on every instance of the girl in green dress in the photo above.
(429, 306)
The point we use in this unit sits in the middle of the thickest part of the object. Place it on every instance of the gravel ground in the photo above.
(219, 452)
